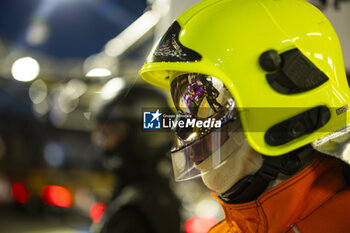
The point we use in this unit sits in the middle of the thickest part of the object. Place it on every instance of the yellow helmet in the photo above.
(280, 60)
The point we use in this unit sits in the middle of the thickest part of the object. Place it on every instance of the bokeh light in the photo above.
(19, 193)
(53, 154)
(57, 196)
(111, 88)
(200, 224)
(25, 69)
(96, 211)
(99, 72)
(38, 91)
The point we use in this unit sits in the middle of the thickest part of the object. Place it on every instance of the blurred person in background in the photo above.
(142, 200)
(280, 85)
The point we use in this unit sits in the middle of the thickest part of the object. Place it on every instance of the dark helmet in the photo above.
(135, 154)
(118, 131)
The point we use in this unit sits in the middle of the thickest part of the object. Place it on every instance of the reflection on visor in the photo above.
(199, 97)
(213, 150)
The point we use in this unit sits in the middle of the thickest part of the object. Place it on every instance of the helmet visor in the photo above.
(210, 120)
(200, 95)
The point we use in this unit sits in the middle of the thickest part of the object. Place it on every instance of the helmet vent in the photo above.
(295, 72)
(297, 126)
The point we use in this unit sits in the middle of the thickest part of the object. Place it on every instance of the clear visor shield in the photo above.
(206, 121)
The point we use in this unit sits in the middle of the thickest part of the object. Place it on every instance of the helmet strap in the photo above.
(251, 187)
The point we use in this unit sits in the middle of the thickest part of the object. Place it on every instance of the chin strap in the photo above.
(251, 187)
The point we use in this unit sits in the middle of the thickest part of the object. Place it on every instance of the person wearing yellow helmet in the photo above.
(271, 75)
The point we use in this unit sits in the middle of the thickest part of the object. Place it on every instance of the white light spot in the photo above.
(330, 62)
(75, 88)
(319, 56)
(38, 91)
(25, 69)
(314, 34)
(99, 72)
(66, 103)
(111, 88)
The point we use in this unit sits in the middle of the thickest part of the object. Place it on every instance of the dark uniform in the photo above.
(143, 201)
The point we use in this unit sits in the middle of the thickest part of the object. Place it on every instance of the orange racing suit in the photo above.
(315, 200)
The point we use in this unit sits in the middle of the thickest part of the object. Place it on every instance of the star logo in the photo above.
(151, 120)
(155, 115)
